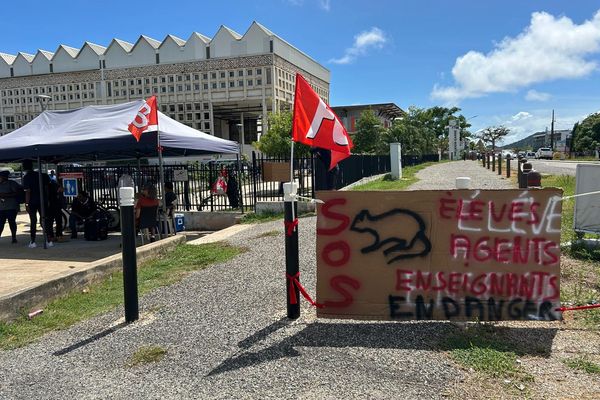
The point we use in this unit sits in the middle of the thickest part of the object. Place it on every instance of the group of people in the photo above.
(12, 195)
(83, 207)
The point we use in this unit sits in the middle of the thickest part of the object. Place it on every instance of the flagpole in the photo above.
(161, 174)
(292, 256)
(292, 176)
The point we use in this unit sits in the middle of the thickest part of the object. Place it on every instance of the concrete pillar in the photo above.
(396, 160)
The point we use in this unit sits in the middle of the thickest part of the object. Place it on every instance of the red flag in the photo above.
(145, 118)
(315, 124)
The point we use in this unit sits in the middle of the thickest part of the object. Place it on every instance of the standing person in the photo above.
(56, 203)
(82, 208)
(9, 204)
(33, 200)
(148, 198)
(170, 198)
(232, 191)
(325, 180)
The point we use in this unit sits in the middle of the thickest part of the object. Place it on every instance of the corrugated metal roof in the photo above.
(152, 42)
(72, 51)
(7, 58)
(47, 54)
(177, 40)
(96, 48)
(124, 45)
(27, 56)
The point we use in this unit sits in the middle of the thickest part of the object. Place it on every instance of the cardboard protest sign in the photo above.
(445, 255)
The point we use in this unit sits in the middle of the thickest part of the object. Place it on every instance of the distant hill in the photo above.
(523, 143)
(539, 139)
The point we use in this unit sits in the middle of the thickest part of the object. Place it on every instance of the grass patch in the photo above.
(146, 355)
(583, 364)
(484, 350)
(267, 234)
(253, 218)
(589, 319)
(567, 183)
(108, 293)
(577, 250)
(387, 183)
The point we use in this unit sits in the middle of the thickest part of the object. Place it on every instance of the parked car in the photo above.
(530, 154)
(544, 153)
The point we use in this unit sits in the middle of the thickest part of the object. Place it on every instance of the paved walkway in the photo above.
(226, 336)
(22, 268)
(443, 176)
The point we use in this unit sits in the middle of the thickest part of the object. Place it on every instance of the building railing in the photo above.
(193, 183)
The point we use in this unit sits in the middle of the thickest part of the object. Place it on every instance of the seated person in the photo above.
(147, 198)
(170, 198)
(83, 207)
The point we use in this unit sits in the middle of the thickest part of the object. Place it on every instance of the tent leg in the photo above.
(43, 221)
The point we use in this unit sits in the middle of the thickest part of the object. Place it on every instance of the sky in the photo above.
(508, 62)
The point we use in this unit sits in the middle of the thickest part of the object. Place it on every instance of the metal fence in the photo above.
(193, 182)
(273, 191)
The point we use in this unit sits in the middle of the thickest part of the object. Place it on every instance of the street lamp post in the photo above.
(42, 98)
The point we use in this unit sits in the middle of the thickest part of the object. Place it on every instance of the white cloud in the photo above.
(372, 39)
(521, 115)
(549, 48)
(525, 123)
(534, 95)
(325, 4)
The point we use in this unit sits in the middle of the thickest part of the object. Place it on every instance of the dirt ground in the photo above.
(548, 376)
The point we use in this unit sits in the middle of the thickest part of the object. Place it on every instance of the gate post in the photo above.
(130, 286)
(292, 258)
(499, 163)
(254, 179)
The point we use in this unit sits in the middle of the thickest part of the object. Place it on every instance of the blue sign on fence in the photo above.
(70, 187)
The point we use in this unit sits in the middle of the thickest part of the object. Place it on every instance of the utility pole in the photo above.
(552, 132)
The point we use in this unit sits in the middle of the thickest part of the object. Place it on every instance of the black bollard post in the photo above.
(130, 288)
(487, 156)
(508, 167)
(493, 162)
(292, 258)
(500, 164)
(525, 170)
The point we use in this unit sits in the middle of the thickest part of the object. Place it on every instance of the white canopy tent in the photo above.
(100, 133)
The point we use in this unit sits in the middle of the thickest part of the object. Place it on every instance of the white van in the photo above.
(544, 152)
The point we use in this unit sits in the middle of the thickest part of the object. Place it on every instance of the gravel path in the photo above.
(442, 176)
(226, 336)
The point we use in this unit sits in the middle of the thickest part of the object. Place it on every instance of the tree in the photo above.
(277, 141)
(493, 134)
(368, 133)
(409, 134)
(438, 119)
(424, 130)
(586, 134)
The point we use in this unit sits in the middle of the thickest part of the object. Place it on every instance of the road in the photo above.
(557, 167)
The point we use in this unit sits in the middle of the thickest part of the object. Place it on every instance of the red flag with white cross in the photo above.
(316, 125)
(146, 117)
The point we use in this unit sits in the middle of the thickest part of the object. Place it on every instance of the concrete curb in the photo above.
(13, 305)
(364, 180)
(221, 235)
